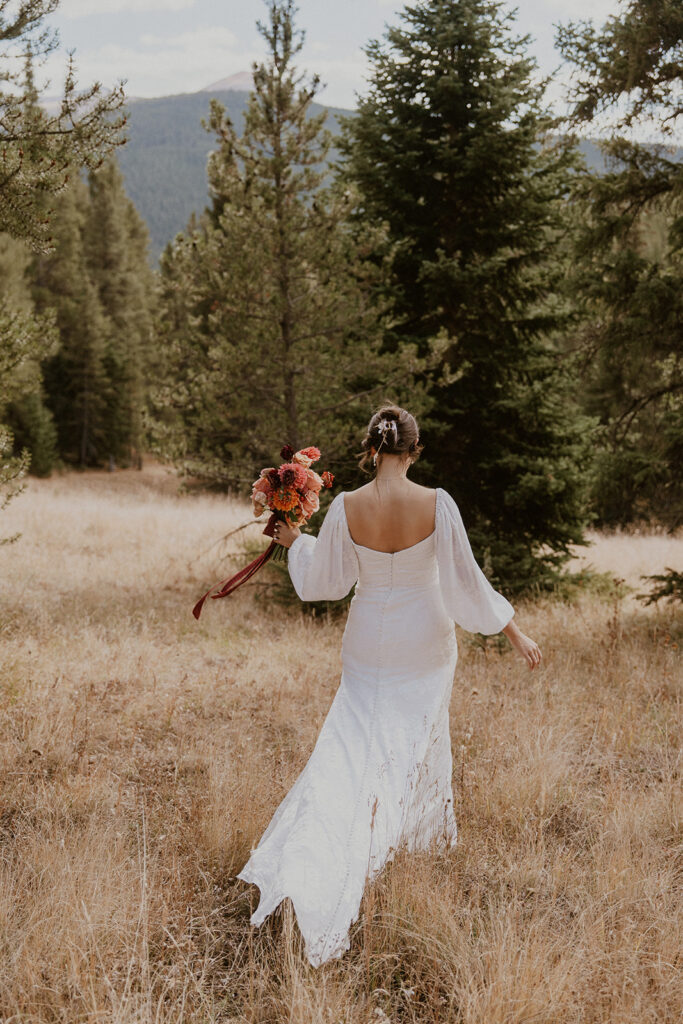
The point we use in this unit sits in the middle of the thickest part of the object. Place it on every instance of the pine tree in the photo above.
(38, 155)
(40, 152)
(629, 257)
(270, 331)
(76, 382)
(34, 431)
(23, 337)
(115, 249)
(630, 69)
(100, 286)
(24, 341)
(451, 148)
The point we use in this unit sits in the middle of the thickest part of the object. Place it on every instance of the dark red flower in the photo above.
(274, 478)
(294, 475)
(286, 452)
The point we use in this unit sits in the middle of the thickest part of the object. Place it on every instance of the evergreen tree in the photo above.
(629, 257)
(76, 381)
(270, 333)
(24, 341)
(41, 152)
(38, 154)
(451, 148)
(23, 337)
(13, 468)
(115, 249)
(34, 431)
(631, 68)
(100, 286)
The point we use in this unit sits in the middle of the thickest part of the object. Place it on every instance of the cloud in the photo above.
(162, 65)
(567, 10)
(159, 65)
(343, 77)
(92, 8)
(196, 54)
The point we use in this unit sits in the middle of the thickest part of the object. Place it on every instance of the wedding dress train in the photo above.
(379, 775)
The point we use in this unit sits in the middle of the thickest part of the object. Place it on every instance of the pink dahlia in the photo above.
(293, 475)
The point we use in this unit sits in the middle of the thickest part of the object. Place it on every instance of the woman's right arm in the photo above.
(468, 596)
(324, 568)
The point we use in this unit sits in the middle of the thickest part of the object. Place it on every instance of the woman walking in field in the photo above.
(380, 772)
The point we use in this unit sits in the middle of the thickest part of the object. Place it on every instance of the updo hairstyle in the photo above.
(391, 431)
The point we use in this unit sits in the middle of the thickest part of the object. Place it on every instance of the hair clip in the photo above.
(385, 425)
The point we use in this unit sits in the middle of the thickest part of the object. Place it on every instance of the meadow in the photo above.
(142, 754)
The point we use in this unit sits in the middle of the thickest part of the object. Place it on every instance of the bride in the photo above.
(379, 775)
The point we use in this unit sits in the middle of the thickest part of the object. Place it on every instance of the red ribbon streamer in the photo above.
(228, 586)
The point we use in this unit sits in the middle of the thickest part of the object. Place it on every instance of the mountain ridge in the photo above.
(164, 158)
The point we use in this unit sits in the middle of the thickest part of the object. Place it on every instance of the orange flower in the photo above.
(328, 478)
(284, 499)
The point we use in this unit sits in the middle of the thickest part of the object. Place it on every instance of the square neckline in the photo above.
(377, 551)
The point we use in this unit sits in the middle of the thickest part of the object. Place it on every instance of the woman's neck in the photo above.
(391, 469)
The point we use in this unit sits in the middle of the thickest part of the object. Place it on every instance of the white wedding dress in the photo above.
(379, 775)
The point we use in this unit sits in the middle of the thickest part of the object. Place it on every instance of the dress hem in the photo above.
(253, 878)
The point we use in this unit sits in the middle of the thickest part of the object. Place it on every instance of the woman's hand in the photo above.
(522, 643)
(285, 534)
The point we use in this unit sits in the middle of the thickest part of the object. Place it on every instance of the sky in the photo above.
(163, 47)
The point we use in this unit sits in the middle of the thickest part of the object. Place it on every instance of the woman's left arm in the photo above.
(522, 643)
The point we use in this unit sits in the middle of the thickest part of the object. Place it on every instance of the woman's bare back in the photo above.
(390, 515)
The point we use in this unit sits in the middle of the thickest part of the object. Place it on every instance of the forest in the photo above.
(458, 258)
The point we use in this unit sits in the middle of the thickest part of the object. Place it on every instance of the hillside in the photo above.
(164, 159)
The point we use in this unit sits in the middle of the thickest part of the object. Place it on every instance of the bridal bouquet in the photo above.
(291, 493)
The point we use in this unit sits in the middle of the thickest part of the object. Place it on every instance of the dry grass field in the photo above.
(143, 753)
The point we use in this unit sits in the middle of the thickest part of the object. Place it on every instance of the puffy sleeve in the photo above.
(324, 568)
(468, 596)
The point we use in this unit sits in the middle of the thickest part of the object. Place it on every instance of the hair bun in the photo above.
(393, 431)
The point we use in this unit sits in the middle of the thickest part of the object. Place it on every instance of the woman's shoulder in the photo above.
(357, 494)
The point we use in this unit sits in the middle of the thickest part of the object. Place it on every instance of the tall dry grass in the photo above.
(142, 754)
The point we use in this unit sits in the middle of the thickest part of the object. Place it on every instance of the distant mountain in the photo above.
(243, 81)
(164, 159)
